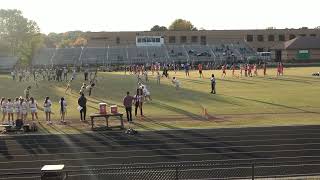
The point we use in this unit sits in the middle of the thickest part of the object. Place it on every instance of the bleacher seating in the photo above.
(117, 55)
(7, 63)
(44, 56)
(64, 56)
(219, 53)
(92, 56)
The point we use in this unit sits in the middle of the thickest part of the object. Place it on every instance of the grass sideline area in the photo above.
(240, 102)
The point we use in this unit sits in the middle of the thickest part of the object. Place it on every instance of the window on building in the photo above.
(260, 38)
(203, 40)
(157, 39)
(313, 35)
(183, 39)
(118, 40)
(302, 35)
(292, 36)
(271, 37)
(172, 39)
(282, 37)
(139, 40)
(249, 38)
(194, 39)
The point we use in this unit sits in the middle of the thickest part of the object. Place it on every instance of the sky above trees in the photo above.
(131, 15)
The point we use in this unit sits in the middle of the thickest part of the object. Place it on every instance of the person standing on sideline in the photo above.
(27, 92)
(63, 110)
(233, 67)
(127, 102)
(86, 73)
(186, 69)
(213, 84)
(82, 102)
(138, 101)
(17, 107)
(47, 109)
(200, 70)
(9, 109)
(224, 68)
(3, 104)
(264, 69)
(33, 108)
(158, 77)
(23, 109)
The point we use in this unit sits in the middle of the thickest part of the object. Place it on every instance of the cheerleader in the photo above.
(47, 109)
(3, 104)
(33, 108)
(17, 107)
(9, 110)
(23, 109)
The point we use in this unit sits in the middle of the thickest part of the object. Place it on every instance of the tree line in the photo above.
(21, 37)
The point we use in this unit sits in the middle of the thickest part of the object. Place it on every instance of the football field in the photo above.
(291, 99)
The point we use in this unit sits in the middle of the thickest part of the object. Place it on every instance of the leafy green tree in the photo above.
(67, 39)
(182, 25)
(22, 34)
(158, 28)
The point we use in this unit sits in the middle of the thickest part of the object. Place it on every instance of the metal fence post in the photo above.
(176, 173)
(252, 171)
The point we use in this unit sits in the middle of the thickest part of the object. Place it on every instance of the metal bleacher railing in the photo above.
(177, 171)
(219, 53)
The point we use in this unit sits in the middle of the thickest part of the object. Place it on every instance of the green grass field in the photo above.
(240, 102)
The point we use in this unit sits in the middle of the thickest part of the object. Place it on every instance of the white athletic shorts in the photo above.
(23, 112)
(47, 109)
(33, 110)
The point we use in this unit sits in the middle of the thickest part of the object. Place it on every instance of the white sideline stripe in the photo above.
(169, 143)
(177, 162)
(162, 149)
(170, 155)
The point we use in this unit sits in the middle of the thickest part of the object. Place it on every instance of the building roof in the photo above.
(303, 43)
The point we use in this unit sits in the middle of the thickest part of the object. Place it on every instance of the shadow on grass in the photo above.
(275, 104)
(160, 123)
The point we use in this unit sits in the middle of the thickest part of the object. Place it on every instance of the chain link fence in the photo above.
(180, 171)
